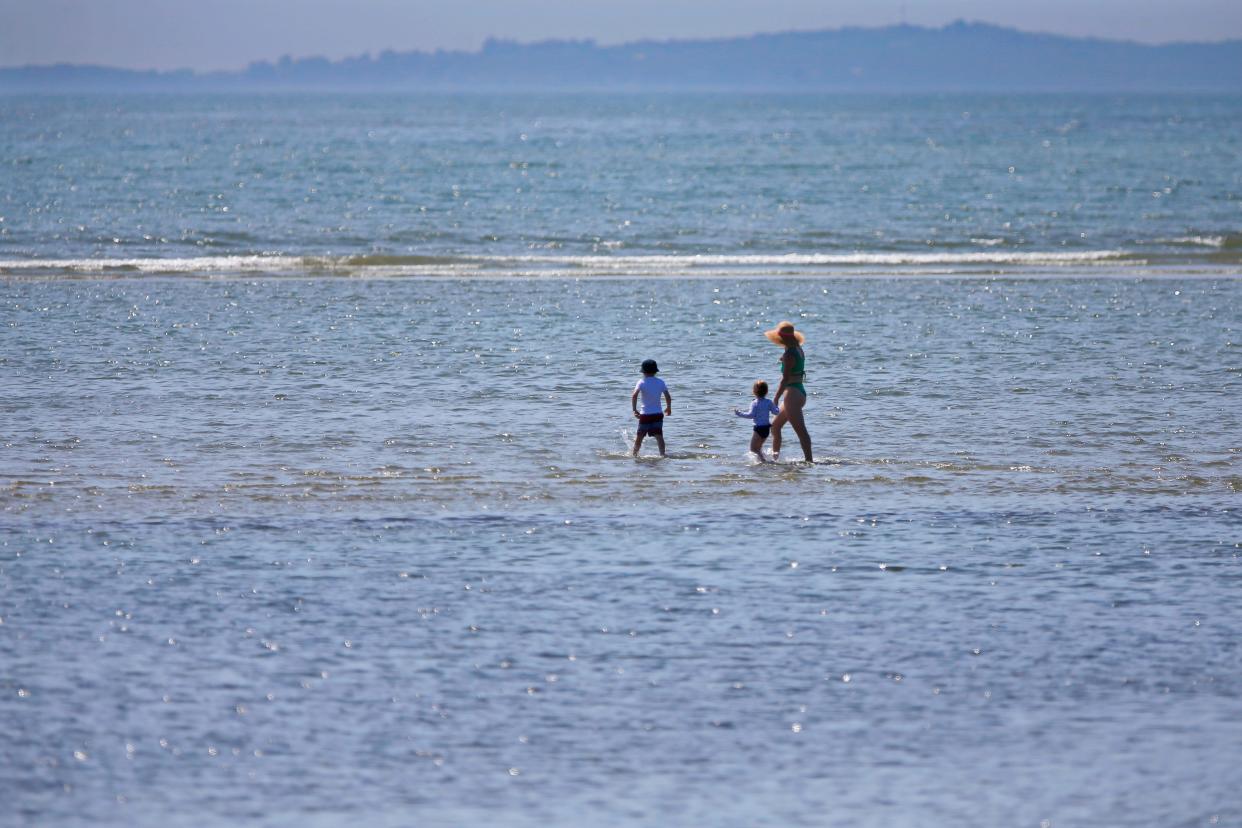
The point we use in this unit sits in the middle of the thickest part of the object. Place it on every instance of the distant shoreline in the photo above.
(959, 57)
(568, 91)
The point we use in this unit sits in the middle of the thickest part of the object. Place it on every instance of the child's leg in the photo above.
(638, 441)
(756, 444)
(659, 435)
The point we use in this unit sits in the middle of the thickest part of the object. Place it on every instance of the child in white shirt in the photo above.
(651, 418)
(760, 410)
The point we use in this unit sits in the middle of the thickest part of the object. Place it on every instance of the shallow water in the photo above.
(327, 550)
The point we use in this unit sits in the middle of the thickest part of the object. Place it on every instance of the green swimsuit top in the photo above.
(797, 374)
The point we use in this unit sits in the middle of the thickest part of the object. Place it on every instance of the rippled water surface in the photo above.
(628, 184)
(334, 551)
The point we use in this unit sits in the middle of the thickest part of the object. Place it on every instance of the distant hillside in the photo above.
(960, 56)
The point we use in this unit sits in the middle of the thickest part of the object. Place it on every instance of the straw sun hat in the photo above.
(784, 334)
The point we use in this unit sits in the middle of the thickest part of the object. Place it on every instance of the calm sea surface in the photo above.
(372, 184)
(315, 506)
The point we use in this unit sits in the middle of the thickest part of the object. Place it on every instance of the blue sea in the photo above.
(316, 506)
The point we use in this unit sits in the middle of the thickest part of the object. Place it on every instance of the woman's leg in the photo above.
(778, 421)
(792, 410)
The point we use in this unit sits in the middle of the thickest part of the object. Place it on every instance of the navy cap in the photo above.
(650, 367)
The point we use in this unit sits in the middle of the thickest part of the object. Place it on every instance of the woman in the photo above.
(793, 374)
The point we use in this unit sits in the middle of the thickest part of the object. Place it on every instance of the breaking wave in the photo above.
(990, 260)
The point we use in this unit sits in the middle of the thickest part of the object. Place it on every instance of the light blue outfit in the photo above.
(759, 411)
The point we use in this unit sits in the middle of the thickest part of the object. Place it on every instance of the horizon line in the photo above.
(590, 41)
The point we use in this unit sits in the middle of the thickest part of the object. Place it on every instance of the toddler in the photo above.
(760, 410)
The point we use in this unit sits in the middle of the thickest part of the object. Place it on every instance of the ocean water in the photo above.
(318, 514)
(623, 184)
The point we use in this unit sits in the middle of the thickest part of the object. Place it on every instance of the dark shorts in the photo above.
(650, 423)
(763, 431)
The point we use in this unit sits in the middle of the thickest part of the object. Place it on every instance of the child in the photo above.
(759, 411)
(651, 420)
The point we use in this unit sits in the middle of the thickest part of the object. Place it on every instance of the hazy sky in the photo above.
(227, 34)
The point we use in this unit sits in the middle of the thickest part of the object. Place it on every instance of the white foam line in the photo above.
(1203, 241)
(646, 264)
(158, 264)
(812, 259)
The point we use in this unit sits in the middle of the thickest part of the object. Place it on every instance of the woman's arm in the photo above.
(780, 386)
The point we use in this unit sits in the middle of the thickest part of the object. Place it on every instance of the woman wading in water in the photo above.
(793, 374)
